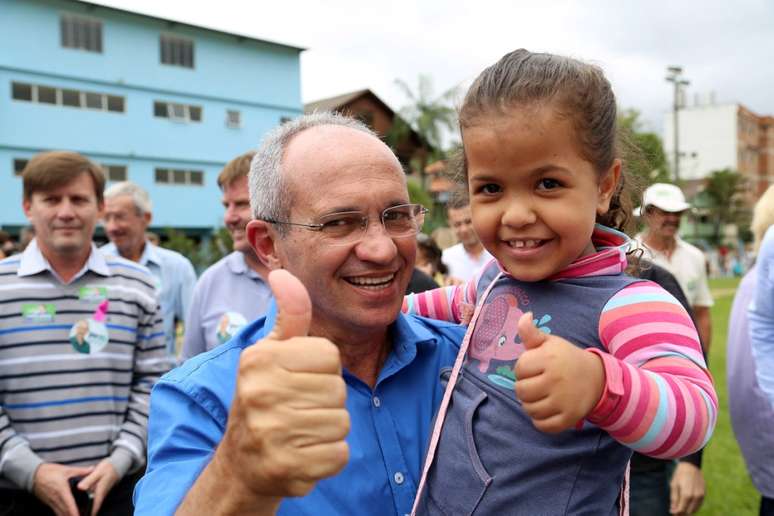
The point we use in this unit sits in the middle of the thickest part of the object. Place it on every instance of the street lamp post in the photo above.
(675, 76)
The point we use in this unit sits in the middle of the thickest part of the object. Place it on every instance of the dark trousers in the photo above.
(118, 502)
(649, 490)
(767, 506)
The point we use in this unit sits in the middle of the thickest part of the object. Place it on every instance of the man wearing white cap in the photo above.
(662, 207)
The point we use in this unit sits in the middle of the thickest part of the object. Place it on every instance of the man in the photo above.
(332, 208)
(127, 216)
(467, 257)
(232, 291)
(662, 208)
(70, 411)
(663, 205)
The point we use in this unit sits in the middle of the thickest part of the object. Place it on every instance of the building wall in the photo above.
(259, 79)
(707, 139)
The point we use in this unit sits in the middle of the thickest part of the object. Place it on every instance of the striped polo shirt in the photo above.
(67, 394)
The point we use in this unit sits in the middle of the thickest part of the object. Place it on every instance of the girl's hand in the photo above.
(558, 383)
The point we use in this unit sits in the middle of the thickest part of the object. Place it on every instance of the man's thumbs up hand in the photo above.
(294, 308)
(288, 421)
(558, 383)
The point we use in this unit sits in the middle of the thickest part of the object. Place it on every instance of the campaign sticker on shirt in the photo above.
(91, 294)
(90, 336)
(228, 325)
(38, 312)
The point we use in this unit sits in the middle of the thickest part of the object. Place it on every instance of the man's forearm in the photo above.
(218, 491)
(704, 326)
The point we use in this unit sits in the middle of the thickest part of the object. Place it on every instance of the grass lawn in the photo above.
(729, 489)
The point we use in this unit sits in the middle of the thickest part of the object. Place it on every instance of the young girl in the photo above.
(568, 364)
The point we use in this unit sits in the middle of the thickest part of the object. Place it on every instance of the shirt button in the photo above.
(398, 477)
(377, 401)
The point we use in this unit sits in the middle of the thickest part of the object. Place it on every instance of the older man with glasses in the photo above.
(325, 405)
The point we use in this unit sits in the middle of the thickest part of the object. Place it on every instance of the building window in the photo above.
(233, 118)
(177, 51)
(114, 172)
(177, 112)
(284, 119)
(18, 166)
(170, 176)
(82, 33)
(67, 97)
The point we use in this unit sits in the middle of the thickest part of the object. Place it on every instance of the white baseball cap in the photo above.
(663, 196)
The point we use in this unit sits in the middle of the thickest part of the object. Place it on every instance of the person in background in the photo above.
(429, 258)
(467, 257)
(128, 213)
(73, 410)
(663, 205)
(232, 291)
(750, 357)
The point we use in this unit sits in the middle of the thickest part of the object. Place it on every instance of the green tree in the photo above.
(723, 200)
(646, 158)
(428, 115)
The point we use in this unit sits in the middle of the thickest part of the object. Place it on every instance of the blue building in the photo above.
(158, 102)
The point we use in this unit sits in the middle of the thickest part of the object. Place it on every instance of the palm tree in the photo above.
(427, 115)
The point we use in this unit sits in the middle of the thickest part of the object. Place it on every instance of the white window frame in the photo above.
(233, 118)
(74, 20)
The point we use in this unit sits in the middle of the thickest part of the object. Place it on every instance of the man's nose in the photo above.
(66, 210)
(376, 245)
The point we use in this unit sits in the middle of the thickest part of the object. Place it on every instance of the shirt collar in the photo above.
(237, 264)
(33, 262)
(150, 254)
(408, 338)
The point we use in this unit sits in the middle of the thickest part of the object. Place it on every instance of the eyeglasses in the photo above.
(349, 227)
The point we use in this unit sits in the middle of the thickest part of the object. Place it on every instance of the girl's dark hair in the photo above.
(578, 91)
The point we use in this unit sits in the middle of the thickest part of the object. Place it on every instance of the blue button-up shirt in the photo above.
(390, 424)
(175, 279)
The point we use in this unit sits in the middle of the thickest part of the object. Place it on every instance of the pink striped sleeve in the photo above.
(444, 304)
(659, 398)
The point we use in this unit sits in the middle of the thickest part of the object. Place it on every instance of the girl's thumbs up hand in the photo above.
(558, 383)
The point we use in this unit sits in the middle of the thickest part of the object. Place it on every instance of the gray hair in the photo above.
(140, 198)
(269, 193)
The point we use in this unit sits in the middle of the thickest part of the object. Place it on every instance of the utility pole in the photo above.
(675, 76)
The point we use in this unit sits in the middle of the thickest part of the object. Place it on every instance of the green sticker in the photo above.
(38, 312)
(92, 294)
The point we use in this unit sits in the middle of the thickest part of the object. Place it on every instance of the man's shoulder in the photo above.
(425, 328)
(217, 269)
(453, 251)
(691, 250)
(122, 267)
(214, 371)
(10, 264)
(174, 258)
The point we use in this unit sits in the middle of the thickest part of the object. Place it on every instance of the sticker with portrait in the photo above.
(88, 336)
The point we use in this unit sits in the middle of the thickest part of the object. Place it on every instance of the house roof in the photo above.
(94, 5)
(333, 103)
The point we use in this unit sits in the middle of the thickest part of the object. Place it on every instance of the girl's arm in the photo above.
(658, 398)
(444, 304)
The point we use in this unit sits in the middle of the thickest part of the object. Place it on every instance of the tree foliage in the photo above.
(644, 150)
(723, 198)
(202, 254)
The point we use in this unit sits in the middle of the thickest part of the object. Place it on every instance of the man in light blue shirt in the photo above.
(232, 291)
(761, 316)
(127, 216)
(325, 406)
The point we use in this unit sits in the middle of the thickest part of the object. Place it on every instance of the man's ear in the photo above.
(26, 205)
(147, 217)
(608, 185)
(262, 237)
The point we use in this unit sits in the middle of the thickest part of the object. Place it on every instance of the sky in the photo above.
(725, 48)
